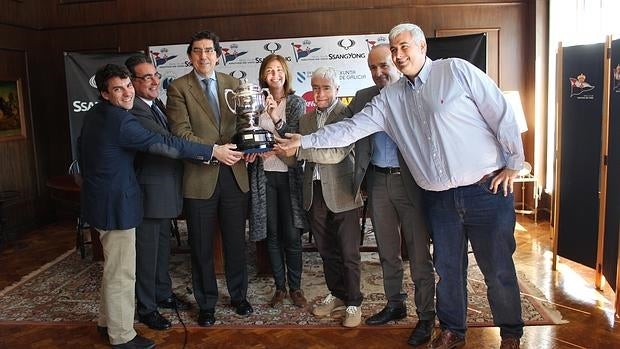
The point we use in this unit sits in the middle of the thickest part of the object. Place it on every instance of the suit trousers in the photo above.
(393, 214)
(228, 207)
(153, 282)
(283, 239)
(116, 311)
(337, 239)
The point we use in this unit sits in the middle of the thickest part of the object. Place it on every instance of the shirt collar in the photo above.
(148, 102)
(422, 76)
(329, 109)
(202, 77)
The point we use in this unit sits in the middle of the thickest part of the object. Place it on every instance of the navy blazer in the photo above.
(110, 138)
(160, 178)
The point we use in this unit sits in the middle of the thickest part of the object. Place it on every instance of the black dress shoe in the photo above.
(243, 307)
(173, 302)
(135, 343)
(155, 321)
(387, 314)
(422, 332)
(206, 318)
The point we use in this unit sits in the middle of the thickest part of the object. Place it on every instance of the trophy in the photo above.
(248, 103)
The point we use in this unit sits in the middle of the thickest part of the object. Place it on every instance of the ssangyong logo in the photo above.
(92, 82)
(272, 47)
(346, 43)
(239, 74)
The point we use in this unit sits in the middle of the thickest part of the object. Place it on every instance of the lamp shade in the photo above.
(514, 100)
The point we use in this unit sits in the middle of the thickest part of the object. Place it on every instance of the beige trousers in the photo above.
(116, 311)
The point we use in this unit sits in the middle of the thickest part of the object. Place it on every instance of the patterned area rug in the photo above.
(67, 290)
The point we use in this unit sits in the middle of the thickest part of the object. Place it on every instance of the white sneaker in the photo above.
(327, 305)
(352, 316)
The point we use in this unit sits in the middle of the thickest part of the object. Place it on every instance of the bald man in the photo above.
(396, 210)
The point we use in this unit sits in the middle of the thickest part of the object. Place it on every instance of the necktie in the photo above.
(159, 114)
(212, 99)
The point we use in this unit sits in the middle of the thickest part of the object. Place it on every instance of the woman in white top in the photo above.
(276, 185)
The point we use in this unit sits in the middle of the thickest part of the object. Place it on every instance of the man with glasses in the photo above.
(110, 194)
(216, 194)
(160, 180)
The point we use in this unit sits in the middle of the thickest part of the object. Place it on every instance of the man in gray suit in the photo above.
(333, 202)
(160, 180)
(396, 210)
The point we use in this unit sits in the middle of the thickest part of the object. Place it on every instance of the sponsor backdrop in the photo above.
(582, 79)
(81, 88)
(347, 54)
(612, 216)
(242, 59)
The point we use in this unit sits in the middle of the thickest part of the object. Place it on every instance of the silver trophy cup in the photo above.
(248, 102)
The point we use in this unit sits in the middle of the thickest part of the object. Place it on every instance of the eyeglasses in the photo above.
(199, 51)
(149, 77)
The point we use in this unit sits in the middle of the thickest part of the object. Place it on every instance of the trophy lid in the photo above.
(247, 88)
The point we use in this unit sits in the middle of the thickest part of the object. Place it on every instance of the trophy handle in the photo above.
(226, 92)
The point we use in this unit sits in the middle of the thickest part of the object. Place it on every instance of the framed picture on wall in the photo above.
(12, 119)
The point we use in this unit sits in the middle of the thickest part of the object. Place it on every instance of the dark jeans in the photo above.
(337, 237)
(283, 239)
(487, 220)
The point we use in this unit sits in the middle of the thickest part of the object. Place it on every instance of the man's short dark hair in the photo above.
(108, 72)
(205, 34)
(134, 60)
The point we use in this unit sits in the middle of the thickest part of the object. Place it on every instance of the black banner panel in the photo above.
(82, 91)
(582, 99)
(472, 48)
(612, 216)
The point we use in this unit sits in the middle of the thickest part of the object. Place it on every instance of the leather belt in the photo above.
(387, 170)
(489, 176)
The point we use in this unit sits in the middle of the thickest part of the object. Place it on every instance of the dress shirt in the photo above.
(452, 125)
(321, 117)
(384, 151)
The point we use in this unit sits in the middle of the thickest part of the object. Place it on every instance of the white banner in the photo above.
(242, 59)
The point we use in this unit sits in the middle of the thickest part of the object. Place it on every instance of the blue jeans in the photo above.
(487, 220)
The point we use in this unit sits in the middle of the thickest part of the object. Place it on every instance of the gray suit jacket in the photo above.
(160, 178)
(363, 149)
(191, 118)
(336, 166)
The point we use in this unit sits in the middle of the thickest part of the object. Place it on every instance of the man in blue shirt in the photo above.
(395, 202)
(460, 139)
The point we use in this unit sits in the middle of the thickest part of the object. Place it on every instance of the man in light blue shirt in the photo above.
(460, 139)
(396, 210)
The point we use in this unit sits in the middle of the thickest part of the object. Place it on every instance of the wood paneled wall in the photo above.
(51, 28)
(19, 167)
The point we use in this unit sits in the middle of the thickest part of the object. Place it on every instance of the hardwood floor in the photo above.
(590, 312)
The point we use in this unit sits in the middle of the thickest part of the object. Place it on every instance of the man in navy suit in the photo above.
(160, 179)
(110, 195)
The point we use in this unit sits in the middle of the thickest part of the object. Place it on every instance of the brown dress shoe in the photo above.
(447, 340)
(510, 343)
(297, 296)
(277, 299)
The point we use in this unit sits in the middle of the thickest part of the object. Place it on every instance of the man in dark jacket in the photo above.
(110, 194)
(160, 179)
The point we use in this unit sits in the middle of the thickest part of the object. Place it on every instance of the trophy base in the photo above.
(255, 141)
